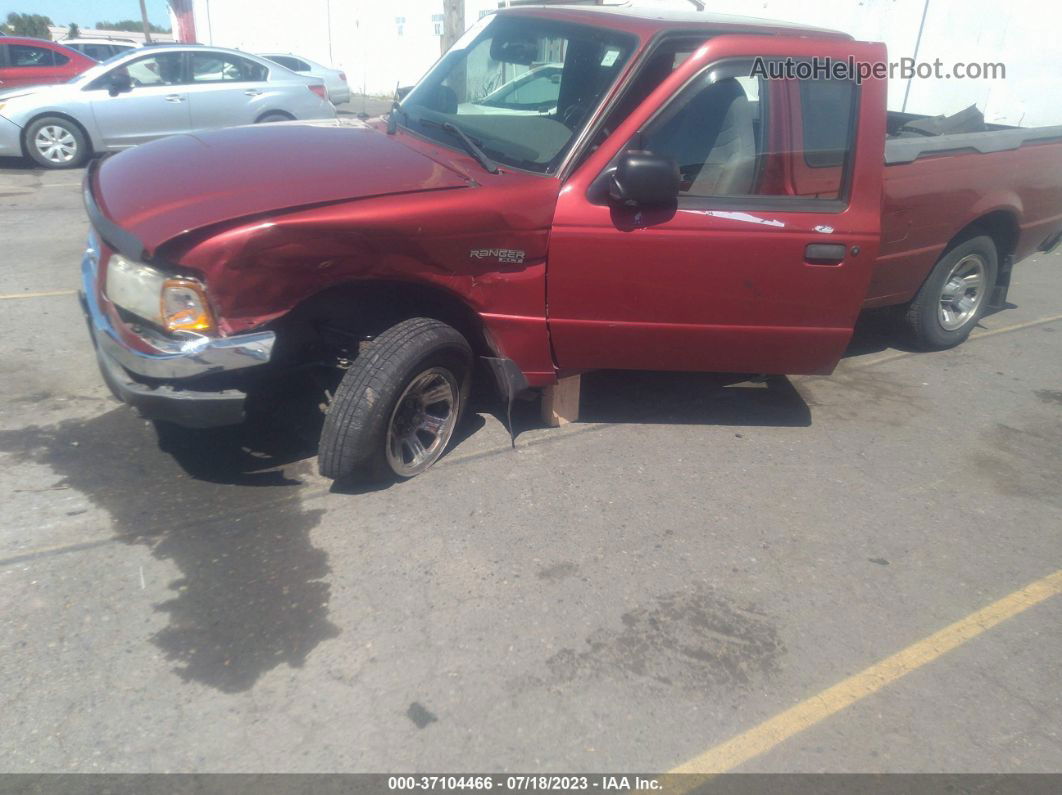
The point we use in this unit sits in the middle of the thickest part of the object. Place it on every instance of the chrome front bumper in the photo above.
(169, 359)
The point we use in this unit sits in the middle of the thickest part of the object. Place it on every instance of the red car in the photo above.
(30, 62)
(679, 198)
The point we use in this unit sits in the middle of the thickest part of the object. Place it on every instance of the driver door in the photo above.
(155, 105)
(763, 262)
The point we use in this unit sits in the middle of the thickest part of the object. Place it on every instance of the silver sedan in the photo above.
(149, 93)
(335, 80)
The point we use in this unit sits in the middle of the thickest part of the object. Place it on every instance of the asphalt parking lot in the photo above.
(631, 592)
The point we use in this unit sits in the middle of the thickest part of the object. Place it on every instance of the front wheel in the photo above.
(954, 296)
(397, 407)
(56, 142)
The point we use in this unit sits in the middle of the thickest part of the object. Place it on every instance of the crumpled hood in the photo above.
(160, 190)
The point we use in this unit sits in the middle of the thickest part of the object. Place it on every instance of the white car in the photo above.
(334, 79)
(100, 49)
(533, 93)
(150, 93)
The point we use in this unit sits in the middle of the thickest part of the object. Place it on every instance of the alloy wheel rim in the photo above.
(422, 422)
(56, 144)
(962, 293)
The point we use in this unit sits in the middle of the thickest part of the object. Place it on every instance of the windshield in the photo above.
(521, 88)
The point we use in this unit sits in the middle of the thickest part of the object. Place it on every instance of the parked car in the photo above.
(533, 91)
(150, 93)
(335, 80)
(101, 49)
(28, 62)
(677, 211)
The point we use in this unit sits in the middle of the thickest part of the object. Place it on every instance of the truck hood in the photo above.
(158, 191)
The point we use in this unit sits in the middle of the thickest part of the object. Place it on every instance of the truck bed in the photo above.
(1006, 180)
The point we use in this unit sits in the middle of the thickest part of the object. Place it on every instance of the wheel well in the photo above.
(57, 114)
(1000, 225)
(283, 113)
(341, 316)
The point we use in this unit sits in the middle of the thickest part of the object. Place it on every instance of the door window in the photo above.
(24, 55)
(208, 67)
(161, 69)
(101, 52)
(720, 133)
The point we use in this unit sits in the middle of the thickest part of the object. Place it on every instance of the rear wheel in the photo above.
(55, 142)
(274, 116)
(954, 296)
(397, 407)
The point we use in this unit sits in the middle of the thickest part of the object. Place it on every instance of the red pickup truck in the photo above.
(566, 189)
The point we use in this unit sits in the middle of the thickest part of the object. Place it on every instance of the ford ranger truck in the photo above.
(641, 195)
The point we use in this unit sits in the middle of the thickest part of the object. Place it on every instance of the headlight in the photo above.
(171, 303)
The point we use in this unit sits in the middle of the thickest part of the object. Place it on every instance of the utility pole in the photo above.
(453, 22)
(147, 25)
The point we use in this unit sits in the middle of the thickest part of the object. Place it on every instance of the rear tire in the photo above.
(268, 118)
(56, 142)
(396, 409)
(954, 297)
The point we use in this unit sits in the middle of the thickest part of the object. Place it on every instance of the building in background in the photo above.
(59, 32)
(384, 44)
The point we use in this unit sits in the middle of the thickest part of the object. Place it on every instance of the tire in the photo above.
(273, 116)
(954, 297)
(55, 142)
(379, 405)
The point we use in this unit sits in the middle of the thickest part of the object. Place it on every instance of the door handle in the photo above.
(825, 253)
(252, 92)
(174, 98)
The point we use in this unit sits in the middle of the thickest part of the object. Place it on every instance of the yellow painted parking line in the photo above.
(41, 294)
(811, 711)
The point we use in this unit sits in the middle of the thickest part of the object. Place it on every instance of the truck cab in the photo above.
(690, 192)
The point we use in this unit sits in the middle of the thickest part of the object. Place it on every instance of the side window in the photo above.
(163, 69)
(285, 61)
(208, 67)
(24, 55)
(712, 137)
(727, 134)
(300, 66)
(101, 52)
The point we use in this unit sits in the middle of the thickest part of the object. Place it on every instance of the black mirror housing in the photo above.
(516, 50)
(642, 179)
(118, 83)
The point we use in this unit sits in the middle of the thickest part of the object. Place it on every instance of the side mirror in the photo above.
(401, 91)
(118, 82)
(642, 179)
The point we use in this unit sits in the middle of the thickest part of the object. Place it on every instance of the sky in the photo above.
(86, 13)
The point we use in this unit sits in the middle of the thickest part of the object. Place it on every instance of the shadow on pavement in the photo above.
(19, 164)
(691, 399)
(252, 592)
